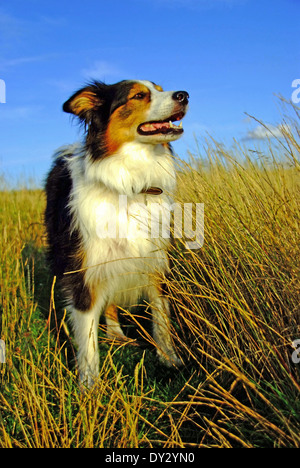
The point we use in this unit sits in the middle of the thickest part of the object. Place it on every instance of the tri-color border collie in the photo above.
(126, 152)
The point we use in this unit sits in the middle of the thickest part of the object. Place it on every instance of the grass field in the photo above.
(235, 308)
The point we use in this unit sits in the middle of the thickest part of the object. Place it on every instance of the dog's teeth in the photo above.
(174, 126)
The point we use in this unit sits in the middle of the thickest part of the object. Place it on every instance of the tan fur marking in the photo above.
(125, 120)
(139, 88)
(159, 88)
(112, 313)
(83, 102)
(113, 330)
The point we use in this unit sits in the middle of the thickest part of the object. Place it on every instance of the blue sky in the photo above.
(232, 56)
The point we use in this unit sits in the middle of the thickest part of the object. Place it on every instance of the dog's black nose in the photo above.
(181, 96)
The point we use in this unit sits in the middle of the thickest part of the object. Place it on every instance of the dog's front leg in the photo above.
(85, 325)
(162, 328)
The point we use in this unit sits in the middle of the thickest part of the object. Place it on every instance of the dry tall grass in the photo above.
(236, 314)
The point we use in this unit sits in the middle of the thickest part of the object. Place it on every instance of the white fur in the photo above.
(121, 268)
(136, 166)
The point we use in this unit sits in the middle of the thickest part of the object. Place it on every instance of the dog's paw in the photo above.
(88, 374)
(170, 359)
(87, 380)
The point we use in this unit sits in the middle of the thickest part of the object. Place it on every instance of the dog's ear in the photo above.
(84, 102)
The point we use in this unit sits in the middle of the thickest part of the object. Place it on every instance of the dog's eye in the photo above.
(139, 96)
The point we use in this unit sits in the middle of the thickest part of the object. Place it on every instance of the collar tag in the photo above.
(153, 191)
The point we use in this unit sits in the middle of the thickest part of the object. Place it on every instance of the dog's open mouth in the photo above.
(162, 126)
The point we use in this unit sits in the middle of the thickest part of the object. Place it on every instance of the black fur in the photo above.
(109, 98)
(64, 244)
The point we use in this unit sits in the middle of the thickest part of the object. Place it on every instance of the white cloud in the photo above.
(10, 26)
(266, 132)
(18, 112)
(101, 70)
(5, 64)
(14, 30)
(63, 85)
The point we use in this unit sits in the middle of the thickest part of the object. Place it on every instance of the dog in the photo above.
(97, 249)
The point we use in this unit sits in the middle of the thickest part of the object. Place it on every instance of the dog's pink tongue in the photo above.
(151, 127)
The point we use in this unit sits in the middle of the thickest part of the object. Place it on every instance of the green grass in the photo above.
(235, 305)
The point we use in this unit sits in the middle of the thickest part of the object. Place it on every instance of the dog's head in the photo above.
(128, 111)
